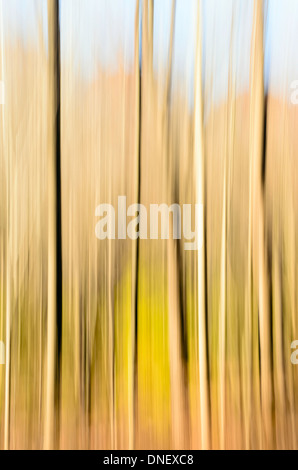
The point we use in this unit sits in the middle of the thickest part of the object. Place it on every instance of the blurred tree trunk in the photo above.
(200, 179)
(136, 252)
(8, 254)
(54, 324)
(175, 302)
(257, 213)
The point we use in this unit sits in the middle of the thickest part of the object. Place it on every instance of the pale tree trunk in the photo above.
(223, 286)
(8, 253)
(223, 314)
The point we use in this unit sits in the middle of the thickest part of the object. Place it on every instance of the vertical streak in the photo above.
(138, 144)
(223, 278)
(200, 177)
(222, 313)
(257, 204)
(175, 303)
(278, 359)
(230, 129)
(132, 404)
(111, 333)
(171, 47)
(54, 326)
(8, 262)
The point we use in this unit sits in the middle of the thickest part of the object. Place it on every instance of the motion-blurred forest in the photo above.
(122, 344)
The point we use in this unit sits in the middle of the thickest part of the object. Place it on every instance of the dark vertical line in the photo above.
(135, 404)
(57, 84)
(205, 248)
(183, 330)
(264, 156)
(182, 307)
(268, 263)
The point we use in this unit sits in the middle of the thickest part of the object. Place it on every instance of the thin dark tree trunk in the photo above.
(138, 77)
(54, 331)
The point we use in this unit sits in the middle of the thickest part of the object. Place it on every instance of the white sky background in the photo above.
(102, 32)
